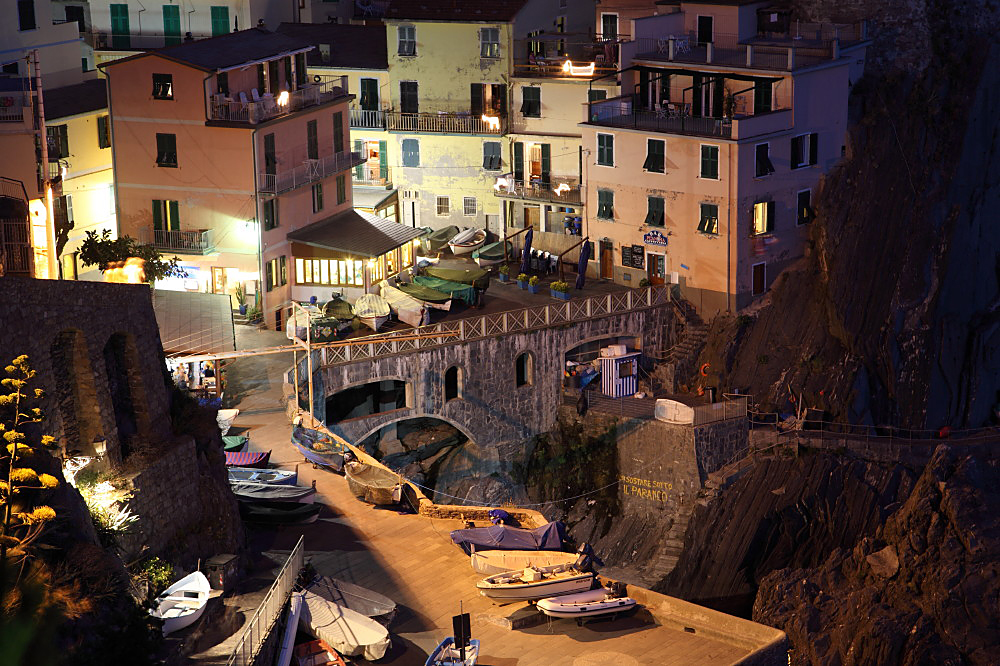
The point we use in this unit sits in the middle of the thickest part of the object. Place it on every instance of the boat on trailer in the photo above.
(535, 583)
(320, 449)
(591, 603)
(182, 603)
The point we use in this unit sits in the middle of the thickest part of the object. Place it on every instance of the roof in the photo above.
(194, 323)
(356, 46)
(454, 10)
(371, 197)
(355, 232)
(72, 100)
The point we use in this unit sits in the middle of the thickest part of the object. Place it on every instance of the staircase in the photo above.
(238, 318)
(682, 357)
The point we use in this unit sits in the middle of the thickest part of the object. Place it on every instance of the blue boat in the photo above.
(446, 654)
(319, 448)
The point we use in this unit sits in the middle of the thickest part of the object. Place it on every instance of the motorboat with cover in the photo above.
(489, 562)
(372, 310)
(504, 537)
(460, 290)
(407, 308)
(319, 448)
(377, 485)
(182, 603)
(477, 277)
(491, 254)
(369, 603)
(257, 459)
(592, 603)
(535, 583)
(428, 295)
(249, 491)
(348, 632)
(272, 476)
(436, 240)
(466, 241)
(279, 513)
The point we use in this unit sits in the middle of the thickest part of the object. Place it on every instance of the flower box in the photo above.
(561, 295)
(523, 284)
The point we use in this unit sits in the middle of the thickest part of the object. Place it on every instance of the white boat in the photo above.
(467, 241)
(489, 562)
(446, 654)
(535, 583)
(275, 476)
(372, 310)
(586, 604)
(407, 308)
(182, 603)
(225, 419)
(348, 632)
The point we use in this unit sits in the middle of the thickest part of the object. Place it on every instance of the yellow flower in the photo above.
(4, 486)
(43, 513)
(13, 436)
(10, 369)
(22, 475)
(48, 481)
(22, 449)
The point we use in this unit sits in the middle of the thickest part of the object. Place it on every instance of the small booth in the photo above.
(619, 371)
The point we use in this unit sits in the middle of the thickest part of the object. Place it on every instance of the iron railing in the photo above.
(491, 325)
(557, 191)
(263, 621)
(243, 109)
(197, 241)
(308, 172)
(368, 174)
(368, 118)
(12, 107)
(446, 122)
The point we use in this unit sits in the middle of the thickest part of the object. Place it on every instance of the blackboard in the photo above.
(638, 254)
(626, 255)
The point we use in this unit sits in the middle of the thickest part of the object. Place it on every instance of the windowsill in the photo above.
(762, 176)
(164, 99)
(717, 179)
(654, 171)
(607, 166)
(707, 234)
(406, 55)
(166, 166)
(801, 166)
(763, 234)
(482, 57)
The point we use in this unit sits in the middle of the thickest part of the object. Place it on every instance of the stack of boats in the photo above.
(459, 241)
(270, 496)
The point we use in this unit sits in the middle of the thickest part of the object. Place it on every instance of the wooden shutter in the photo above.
(283, 269)
(175, 215)
(518, 161)
(498, 97)
(476, 100)
(383, 160)
(359, 147)
(546, 162)
(770, 216)
(157, 214)
(813, 148)
(269, 275)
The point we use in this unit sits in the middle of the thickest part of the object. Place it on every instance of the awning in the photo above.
(194, 323)
(356, 233)
(371, 197)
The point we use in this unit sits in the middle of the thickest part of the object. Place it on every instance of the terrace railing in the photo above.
(368, 118)
(308, 172)
(462, 122)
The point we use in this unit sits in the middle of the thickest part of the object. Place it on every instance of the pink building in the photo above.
(702, 171)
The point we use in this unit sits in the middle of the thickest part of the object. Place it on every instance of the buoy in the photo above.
(704, 369)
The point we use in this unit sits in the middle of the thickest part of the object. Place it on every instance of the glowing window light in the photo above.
(492, 122)
(560, 188)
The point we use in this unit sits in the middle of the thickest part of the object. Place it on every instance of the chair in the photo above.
(243, 98)
(255, 94)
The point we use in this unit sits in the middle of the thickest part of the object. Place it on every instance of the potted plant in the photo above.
(504, 272)
(522, 280)
(559, 290)
(241, 298)
(533, 284)
(643, 283)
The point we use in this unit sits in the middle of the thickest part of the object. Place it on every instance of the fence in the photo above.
(501, 323)
(263, 621)
(367, 118)
(450, 123)
(308, 172)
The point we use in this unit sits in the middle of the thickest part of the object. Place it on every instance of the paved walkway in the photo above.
(411, 559)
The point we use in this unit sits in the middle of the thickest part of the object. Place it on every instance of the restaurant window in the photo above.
(489, 43)
(606, 204)
(469, 207)
(341, 188)
(655, 155)
(411, 152)
(491, 155)
(166, 150)
(406, 254)
(523, 369)
(804, 207)
(376, 268)
(763, 217)
(531, 102)
(709, 222)
(163, 86)
(606, 149)
(407, 40)
(317, 196)
(710, 162)
(444, 206)
(390, 263)
(654, 211)
(762, 160)
(329, 272)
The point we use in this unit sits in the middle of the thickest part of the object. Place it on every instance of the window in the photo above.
(609, 27)
(9, 68)
(58, 141)
(654, 211)
(171, 25)
(70, 269)
(222, 82)
(270, 159)
(804, 149)
(104, 131)
(338, 132)
(531, 102)
(276, 273)
(272, 77)
(411, 153)
(710, 162)
(705, 29)
(763, 217)
(166, 215)
(761, 96)
(335, 272)
(341, 188)
(805, 213)
(762, 160)
(523, 370)
(163, 86)
(759, 279)
(369, 94)
(63, 212)
(596, 95)
(606, 204)
(120, 32)
(269, 214)
(709, 223)
(491, 155)
(452, 383)
(220, 20)
(606, 149)
(489, 43)
(312, 140)
(317, 194)
(443, 206)
(655, 155)
(407, 40)
(408, 99)
(26, 15)
(469, 207)
(166, 150)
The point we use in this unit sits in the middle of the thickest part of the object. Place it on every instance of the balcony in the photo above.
(368, 118)
(182, 241)
(373, 175)
(12, 106)
(245, 110)
(308, 172)
(561, 191)
(462, 122)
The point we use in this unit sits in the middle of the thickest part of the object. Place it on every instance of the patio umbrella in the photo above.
(581, 269)
(526, 255)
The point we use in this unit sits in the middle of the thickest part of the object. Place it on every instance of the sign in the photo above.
(654, 237)
(658, 491)
(626, 255)
(638, 255)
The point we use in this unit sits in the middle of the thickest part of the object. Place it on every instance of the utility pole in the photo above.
(43, 142)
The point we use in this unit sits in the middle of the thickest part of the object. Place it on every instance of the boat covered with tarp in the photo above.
(491, 562)
(234, 443)
(477, 277)
(493, 253)
(429, 295)
(378, 485)
(437, 240)
(504, 537)
(407, 308)
(253, 491)
(460, 290)
(319, 448)
(359, 599)
(247, 458)
(279, 513)
(348, 632)
(225, 418)
(372, 310)
(284, 477)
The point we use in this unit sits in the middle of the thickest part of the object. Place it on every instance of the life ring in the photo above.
(704, 369)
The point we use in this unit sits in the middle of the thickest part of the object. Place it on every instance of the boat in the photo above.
(460, 290)
(446, 654)
(225, 419)
(372, 310)
(278, 477)
(436, 240)
(467, 241)
(408, 309)
(279, 513)
(428, 295)
(286, 649)
(182, 603)
(369, 603)
(535, 583)
(489, 562)
(319, 448)
(350, 633)
(378, 485)
(234, 443)
(477, 277)
(591, 603)
(251, 491)
(257, 459)
(504, 537)
(317, 653)
(491, 254)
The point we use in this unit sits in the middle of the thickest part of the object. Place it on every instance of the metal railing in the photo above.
(102, 40)
(198, 241)
(246, 110)
(308, 172)
(368, 174)
(263, 621)
(734, 407)
(784, 55)
(661, 122)
(368, 118)
(447, 122)
(557, 190)
(490, 325)
(12, 107)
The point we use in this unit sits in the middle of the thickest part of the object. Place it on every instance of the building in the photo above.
(702, 171)
(39, 26)
(15, 231)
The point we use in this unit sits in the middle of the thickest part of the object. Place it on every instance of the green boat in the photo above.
(459, 290)
(234, 443)
(493, 253)
(424, 293)
(477, 277)
(437, 240)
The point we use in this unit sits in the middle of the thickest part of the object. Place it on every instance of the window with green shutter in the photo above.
(341, 189)
(546, 165)
(804, 206)
(655, 156)
(317, 197)
(166, 215)
(163, 86)
(369, 94)
(709, 221)
(171, 25)
(408, 97)
(654, 211)
(383, 160)
(312, 140)
(491, 155)
(104, 131)
(518, 161)
(338, 132)
(606, 149)
(120, 33)
(710, 162)
(606, 204)
(58, 141)
(166, 150)
(531, 102)
(269, 214)
(411, 153)
(220, 20)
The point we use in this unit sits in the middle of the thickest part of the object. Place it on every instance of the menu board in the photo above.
(638, 255)
(627, 255)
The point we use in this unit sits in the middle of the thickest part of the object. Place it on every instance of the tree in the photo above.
(102, 251)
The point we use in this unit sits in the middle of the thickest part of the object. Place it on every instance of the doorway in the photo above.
(656, 268)
(532, 217)
(607, 260)
(759, 278)
(218, 280)
(704, 30)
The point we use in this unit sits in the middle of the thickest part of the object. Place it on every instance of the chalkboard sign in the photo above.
(638, 254)
(627, 255)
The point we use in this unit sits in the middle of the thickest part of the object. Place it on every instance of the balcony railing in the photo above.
(243, 109)
(183, 241)
(16, 253)
(462, 122)
(368, 119)
(308, 172)
(557, 191)
(377, 175)
(556, 68)
(12, 107)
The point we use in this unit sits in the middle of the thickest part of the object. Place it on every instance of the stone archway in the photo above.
(75, 393)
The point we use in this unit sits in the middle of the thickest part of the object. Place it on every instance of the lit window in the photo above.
(163, 86)
(489, 43)
(763, 217)
(709, 222)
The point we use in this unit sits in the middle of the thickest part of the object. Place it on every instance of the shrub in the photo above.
(506, 269)
(522, 277)
(533, 281)
(643, 282)
(561, 287)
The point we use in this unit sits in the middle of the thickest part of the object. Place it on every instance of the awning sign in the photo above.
(654, 237)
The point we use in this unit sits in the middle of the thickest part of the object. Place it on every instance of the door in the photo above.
(532, 217)
(119, 26)
(369, 94)
(383, 162)
(220, 21)
(759, 279)
(704, 30)
(609, 27)
(171, 25)
(408, 97)
(607, 260)
(359, 171)
(656, 268)
(218, 280)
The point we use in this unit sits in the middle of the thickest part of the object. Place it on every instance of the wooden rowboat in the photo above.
(182, 603)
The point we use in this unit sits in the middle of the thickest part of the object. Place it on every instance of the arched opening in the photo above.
(122, 372)
(452, 383)
(366, 400)
(524, 370)
(75, 393)
(582, 361)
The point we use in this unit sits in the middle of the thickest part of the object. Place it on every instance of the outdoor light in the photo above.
(283, 98)
(560, 188)
(492, 122)
(578, 70)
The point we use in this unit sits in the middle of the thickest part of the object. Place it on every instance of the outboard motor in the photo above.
(587, 559)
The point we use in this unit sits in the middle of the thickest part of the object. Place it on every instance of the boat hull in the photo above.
(248, 491)
(509, 592)
(374, 323)
(466, 247)
(279, 513)
(593, 603)
(379, 486)
(446, 655)
(183, 603)
(273, 476)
